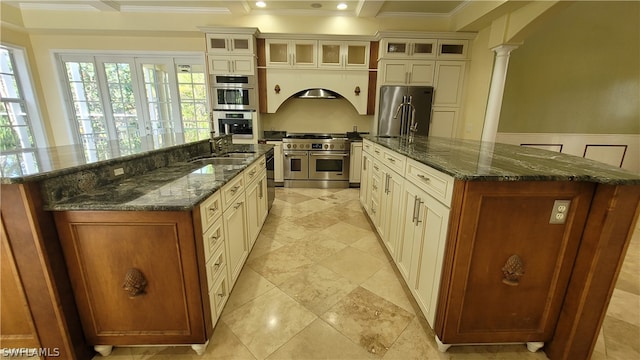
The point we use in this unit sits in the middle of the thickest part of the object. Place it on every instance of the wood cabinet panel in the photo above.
(16, 328)
(499, 220)
(101, 247)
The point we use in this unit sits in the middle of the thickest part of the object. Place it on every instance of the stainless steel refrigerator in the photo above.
(401, 106)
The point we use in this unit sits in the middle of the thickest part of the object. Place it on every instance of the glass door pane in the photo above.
(158, 96)
(192, 91)
(123, 106)
(87, 108)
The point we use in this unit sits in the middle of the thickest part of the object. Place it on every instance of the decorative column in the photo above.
(494, 103)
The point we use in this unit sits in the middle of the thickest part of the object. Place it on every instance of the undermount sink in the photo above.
(241, 155)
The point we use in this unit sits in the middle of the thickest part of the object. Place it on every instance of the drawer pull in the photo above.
(513, 270)
(393, 161)
(217, 264)
(374, 188)
(134, 283)
(214, 208)
(216, 236)
(252, 172)
(235, 188)
(237, 205)
(222, 294)
(376, 167)
(424, 178)
(377, 151)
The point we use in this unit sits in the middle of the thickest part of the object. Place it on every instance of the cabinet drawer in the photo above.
(434, 182)
(377, 152)
(218, 296)
(393, 160)
(367, 146)
(215, 266)
(210, 210)
(212, 238)
(253, 171)
(231, 191)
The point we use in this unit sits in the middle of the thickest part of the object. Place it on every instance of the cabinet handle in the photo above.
(252, 172)
(218, 263)
(420, 202)
(376, 167)
(235, 188)
(415, 200)
(386, 183)
(277, 89)
(424, 178)
(237, 205)
(216, 236)
(393, 161)
(513, 270)
(373, 210)
(377, 151)
(374, 188)
(214, 208)
(134, 283)
(260, 185)
(364, 164)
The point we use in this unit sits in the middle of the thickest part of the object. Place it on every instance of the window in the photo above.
(123, 105)
(21, 130)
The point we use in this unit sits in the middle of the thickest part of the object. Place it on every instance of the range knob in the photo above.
(326, 146)
(307, 146)
(331, 146)
(295, 146)
(288, 146)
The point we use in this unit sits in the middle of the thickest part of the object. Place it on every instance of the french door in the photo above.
(124, 105)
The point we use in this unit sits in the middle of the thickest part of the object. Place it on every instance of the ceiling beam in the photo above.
(368, 8)
(105, 5)
(238, 7)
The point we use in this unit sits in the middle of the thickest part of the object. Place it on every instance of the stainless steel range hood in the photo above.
(316, 94)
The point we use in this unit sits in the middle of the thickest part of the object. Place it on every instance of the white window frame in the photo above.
(26, 84)
(100, 57)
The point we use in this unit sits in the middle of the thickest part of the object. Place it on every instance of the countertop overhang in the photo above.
(471, 160)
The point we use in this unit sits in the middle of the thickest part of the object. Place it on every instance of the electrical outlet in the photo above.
(559, 212)
(118, 171)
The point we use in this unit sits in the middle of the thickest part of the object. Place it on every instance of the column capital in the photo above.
(505, 49)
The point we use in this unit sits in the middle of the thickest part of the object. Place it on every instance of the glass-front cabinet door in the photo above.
(415, 48)
(230, 44)
(343, 54)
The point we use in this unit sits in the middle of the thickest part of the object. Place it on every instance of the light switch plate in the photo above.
(559, 212)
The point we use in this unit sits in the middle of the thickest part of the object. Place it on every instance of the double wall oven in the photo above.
(316, 160)
(234, 104)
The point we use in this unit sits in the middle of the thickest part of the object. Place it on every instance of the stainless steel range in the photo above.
(316, 160)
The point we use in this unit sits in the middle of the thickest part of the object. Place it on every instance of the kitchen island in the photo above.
(164, 231)
(500, 243)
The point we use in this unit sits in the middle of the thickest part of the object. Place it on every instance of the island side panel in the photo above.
(501, 221)
(103, 247)
(32, 236)
(606, 237)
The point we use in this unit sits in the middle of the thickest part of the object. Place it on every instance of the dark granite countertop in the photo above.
(475, 160)
(177, 187)
(158, 179)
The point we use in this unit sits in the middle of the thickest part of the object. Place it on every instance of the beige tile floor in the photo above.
(318, 285)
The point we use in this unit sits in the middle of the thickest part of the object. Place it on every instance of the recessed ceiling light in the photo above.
(342, 6)
(261, 4)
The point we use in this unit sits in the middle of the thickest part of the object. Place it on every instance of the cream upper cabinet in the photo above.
(408, 48)
(230, 44)
(343, 54)
(403, 72)
(225, 65)
(452, 49)
(448, 83)
(291, 53)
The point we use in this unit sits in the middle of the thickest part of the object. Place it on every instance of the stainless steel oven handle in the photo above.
(322, 154)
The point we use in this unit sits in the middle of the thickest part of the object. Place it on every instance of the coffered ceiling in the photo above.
(355, 8)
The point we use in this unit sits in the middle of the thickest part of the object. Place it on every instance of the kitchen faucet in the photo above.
(411, 122)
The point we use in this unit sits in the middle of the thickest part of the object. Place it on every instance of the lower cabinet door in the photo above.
(432, 219)
(134, 276)
(253, 211)
(237, 240)
(218, 297)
